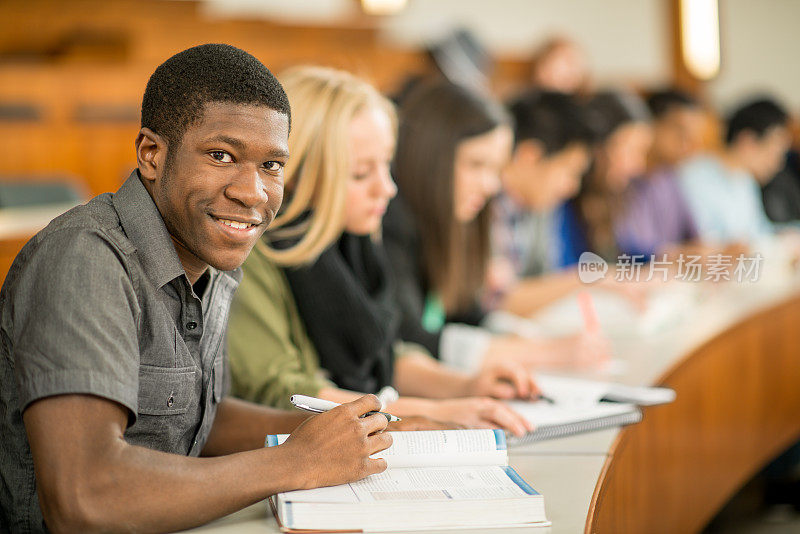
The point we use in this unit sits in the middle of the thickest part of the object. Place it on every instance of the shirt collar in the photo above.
(146, 230)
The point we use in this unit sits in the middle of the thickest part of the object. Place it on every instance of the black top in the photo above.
(782, 194)
(401, 240)
(346, 301)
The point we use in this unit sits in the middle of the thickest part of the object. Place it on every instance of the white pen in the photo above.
(313, 404)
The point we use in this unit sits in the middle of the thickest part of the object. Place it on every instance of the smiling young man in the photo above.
(112, 375)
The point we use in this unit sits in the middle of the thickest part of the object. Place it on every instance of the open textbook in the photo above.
(575, 406)
(435, 480)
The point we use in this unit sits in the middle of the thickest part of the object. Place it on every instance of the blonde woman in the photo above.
(317, 293)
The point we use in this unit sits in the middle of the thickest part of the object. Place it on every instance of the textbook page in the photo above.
(422, 484)
(439, 448)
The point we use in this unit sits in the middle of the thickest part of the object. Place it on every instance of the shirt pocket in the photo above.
(165, 390)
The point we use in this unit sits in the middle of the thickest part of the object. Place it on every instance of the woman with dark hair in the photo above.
(452, 146)
(315, 312)
(622, 122)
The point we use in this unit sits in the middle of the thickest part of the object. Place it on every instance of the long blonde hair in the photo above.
(324, 101)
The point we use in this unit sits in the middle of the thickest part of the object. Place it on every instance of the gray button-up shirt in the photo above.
(98, 303)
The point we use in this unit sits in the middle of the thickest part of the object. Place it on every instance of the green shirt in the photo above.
(271, 356)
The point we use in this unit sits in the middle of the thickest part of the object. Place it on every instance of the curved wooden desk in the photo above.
(737, 407)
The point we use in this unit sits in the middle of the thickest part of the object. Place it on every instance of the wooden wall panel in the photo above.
(60, 56)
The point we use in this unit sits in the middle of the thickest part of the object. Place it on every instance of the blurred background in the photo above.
(72, 72)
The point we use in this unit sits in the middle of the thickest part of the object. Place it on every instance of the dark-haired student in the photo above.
(452, 146)
(781, 194)
(722, 189)
(553, 142)
(315, 313)
(656, 219)
(622, 123)
(113, 377)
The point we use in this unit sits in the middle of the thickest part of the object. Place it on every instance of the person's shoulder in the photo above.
(701, 172)
(89, 234)
(700, 165)
(259, 269)
(95, 218)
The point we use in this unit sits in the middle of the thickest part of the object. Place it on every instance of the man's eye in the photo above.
(273, 166)
(221, 156)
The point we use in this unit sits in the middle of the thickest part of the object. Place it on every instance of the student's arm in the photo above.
(90, 479)
(421, 376)
(460, 398)
(271, 356)
(242, 426)
(531, 294)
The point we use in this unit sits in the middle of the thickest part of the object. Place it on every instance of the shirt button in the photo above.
(191, 325)
(170, 401)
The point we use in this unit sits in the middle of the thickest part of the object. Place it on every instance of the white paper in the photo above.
(543, 413)
(418, 484)
(445, 448)
(442, 448)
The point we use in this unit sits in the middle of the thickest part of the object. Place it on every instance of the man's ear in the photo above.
(151, 154)
(529, 152)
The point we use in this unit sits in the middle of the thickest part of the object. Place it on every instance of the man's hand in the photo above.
(335, 447)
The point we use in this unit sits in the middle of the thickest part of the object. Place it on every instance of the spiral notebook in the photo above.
(575, 406)
(553, 421)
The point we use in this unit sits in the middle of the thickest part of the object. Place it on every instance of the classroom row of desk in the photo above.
(730, 351)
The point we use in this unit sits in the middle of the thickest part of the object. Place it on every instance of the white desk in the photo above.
(567, 481)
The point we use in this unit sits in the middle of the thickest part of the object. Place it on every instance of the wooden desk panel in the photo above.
(738, 406)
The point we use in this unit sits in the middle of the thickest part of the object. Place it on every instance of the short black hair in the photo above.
(614, 108)
(554, 119)
(181, 86)
(757, 116)
(663, 101)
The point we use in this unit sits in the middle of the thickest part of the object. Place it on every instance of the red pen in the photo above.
(589, 314)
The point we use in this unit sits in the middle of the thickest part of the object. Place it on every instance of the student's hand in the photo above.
(503, 379)
(335, 447)
(480, 412)
(421, 422)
